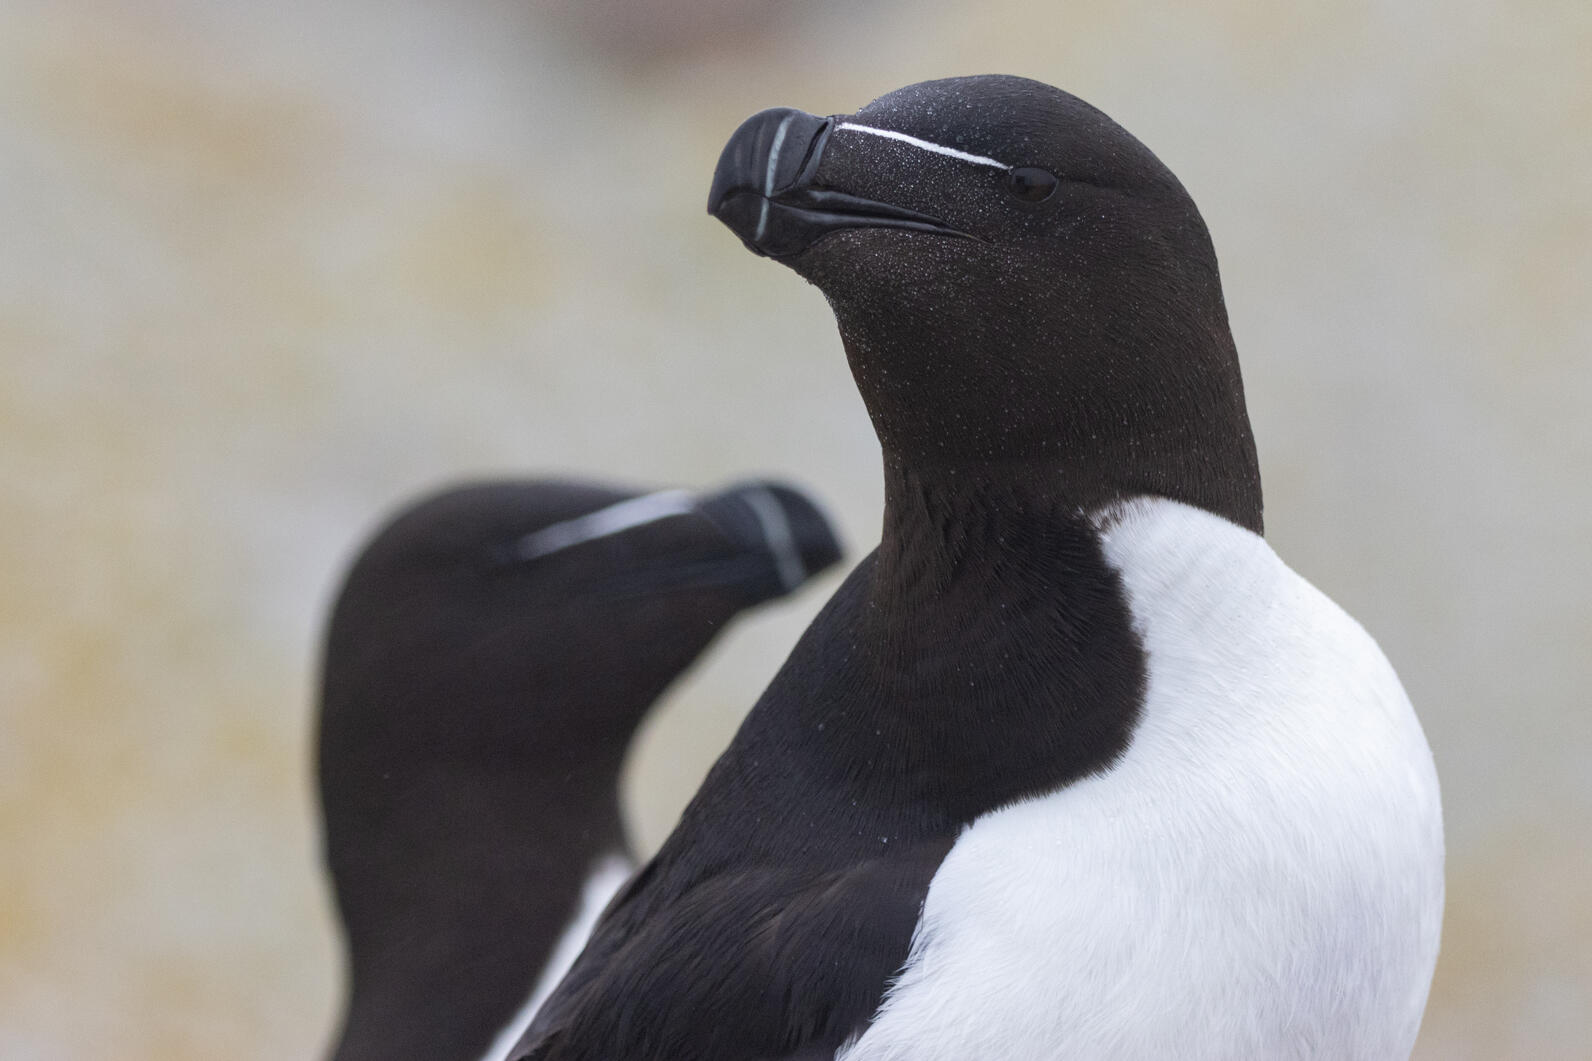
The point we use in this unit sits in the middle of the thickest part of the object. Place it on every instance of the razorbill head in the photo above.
(1015, 277)
(489, 657)
(1073, 765)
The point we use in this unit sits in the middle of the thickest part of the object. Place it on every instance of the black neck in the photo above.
(991, 657)
(454, 889)
(1119, 380)
(1090, 450)
(944, 523)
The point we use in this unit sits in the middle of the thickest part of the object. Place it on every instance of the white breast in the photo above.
(1259, 876)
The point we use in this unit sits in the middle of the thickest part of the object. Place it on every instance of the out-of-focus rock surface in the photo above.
(267, 268)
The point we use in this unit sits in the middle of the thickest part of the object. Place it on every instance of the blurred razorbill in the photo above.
(492, 652)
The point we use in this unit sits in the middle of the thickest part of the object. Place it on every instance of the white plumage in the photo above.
(1259, 876)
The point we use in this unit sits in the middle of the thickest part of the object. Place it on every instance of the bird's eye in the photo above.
(1031, 184)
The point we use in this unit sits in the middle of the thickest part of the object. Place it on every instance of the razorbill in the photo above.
(1072, 766)
(491, 653)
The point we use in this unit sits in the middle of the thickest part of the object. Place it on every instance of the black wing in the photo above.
(750, 962)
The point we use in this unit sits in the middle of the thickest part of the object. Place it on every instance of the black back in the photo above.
(477, 701)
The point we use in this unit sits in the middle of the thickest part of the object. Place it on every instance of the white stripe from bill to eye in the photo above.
(927, 145)
(768, 177)
(620, 516)
(776, 531)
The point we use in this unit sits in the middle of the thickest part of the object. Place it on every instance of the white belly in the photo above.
(1259, 876)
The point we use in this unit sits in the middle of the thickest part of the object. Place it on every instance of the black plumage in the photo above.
(479, 689)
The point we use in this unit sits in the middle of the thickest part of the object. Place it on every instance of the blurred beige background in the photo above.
(266, 269)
